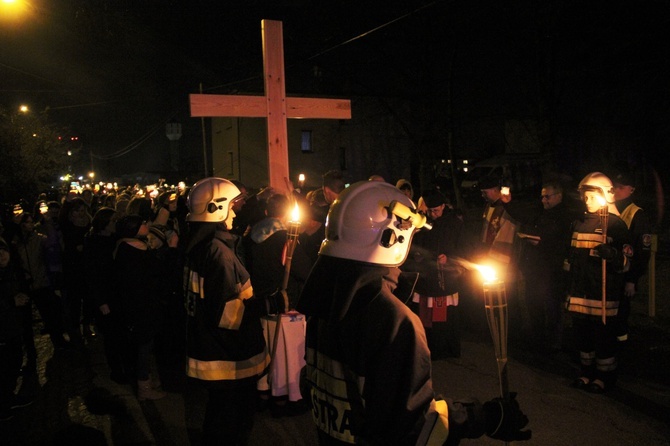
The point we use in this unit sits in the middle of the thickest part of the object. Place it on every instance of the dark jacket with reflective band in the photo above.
(225, 336)
(585, 265)
(640, 231)
(368, 364)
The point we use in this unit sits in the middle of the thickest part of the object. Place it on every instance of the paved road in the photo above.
(77, 404)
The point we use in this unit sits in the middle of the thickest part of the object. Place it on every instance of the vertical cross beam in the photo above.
(274, 106)
(275, 96)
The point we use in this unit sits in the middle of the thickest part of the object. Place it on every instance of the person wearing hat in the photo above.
(368, 367)
(436, 297)
(499, 226)
(640, 231)
(225, 346)
(595, 284)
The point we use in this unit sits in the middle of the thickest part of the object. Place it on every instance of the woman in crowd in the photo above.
(75, 222)
(136, 272)
(99, 246)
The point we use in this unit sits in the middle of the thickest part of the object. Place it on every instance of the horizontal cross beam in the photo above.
(215, 105)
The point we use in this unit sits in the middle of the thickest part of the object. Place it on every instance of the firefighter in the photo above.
(225, 345)
(368, 368)
(596, 263)
(640, 229)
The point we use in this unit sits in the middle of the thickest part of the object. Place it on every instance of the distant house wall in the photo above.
(393, 138)
(372, 142)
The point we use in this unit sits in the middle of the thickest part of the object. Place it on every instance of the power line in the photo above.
(131, 147)
(373, 30)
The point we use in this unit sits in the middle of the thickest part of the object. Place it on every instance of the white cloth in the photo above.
(289, 356)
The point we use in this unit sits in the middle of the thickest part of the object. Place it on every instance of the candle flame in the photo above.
(301, 177)
(295, 214)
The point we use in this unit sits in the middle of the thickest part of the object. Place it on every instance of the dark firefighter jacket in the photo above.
(225, 336)
(368, 365)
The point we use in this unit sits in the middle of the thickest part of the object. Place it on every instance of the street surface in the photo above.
(76, 398)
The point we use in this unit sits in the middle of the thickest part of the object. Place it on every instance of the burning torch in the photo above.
(603, 213)
(289, 248)
(495, 302)
(291, 241)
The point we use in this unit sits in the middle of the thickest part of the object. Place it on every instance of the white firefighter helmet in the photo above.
(210, 200)
(371, 222)
(600, 182)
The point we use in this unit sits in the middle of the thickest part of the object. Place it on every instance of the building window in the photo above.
(306, 141)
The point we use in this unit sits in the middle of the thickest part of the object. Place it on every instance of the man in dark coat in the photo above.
(436, 298)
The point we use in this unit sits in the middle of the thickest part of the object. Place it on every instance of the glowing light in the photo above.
(15, 11)
(488, 273)
(601, 201)
(301, 177)
(295, 214)
(24, 108)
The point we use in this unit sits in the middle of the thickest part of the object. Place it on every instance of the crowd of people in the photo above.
(185, 275)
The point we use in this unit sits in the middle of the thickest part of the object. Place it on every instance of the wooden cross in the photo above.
(274, 106)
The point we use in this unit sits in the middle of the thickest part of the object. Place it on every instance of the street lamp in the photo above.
(11, 10)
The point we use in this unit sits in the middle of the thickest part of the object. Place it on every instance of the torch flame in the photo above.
(601, 201)
(488, 273)
(295, 213)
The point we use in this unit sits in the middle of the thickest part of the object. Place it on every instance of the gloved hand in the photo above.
(607, 252)
(504, 419)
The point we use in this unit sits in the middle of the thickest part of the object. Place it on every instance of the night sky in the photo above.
(116, 71)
